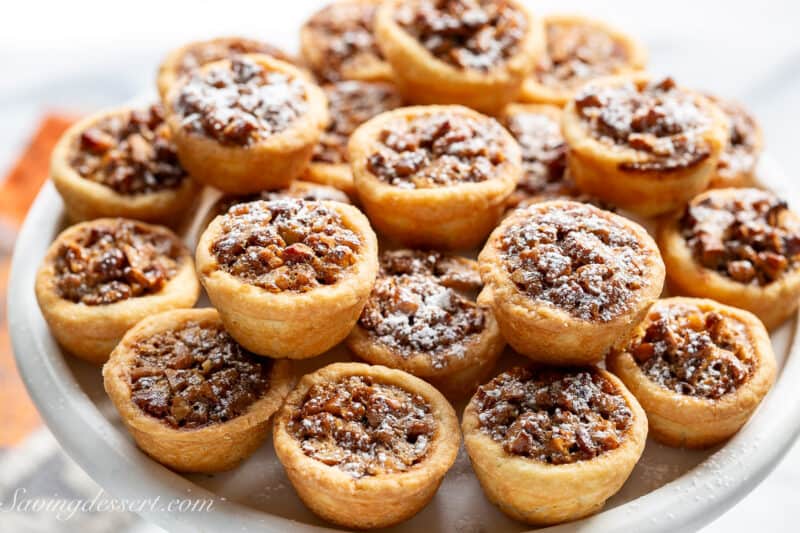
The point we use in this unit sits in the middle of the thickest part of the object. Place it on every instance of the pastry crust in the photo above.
(457, 216)
(547, 333)
(635, 53)
(270, 163)
(215, 447)
(600, 170)
(696, 422)
(90, 332)
(462, 372)
(773, 303)
(425, 79)
(371, 501)
(337, 175)
(294, 325)
(85, 199)
(367, 67)
(543, 494)
(171, 69)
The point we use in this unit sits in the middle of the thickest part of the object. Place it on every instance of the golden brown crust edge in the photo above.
(550, 335)
(376, 501)
(271, 163)
(213, 448)
(684, 421)
(289, 324)
(424, 79)
(541, 494)
(91, 332)
(85, 199)
(773, 304)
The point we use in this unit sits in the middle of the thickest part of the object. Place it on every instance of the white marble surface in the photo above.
(84, 55)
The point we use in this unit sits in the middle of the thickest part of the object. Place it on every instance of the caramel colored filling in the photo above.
(202, 53)
(285, 245)
(112, 261)
(363, 427)
(196, 375)
(556, 416)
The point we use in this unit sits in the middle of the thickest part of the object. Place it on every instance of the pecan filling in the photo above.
(131, 154)
(694, 352)
(351, 103)
(437, 150)
(467, 34)
(752, 238)
(285, 245)
(544, 154)
(419, 305)
(240, 103)
(344, 34)
(364, 428)
(195, 376)
(571, 256)
(203, 53)
(740, 154)
(300, 190)
(577, 53)
(113, 261)
(556, 416)
(659, 120)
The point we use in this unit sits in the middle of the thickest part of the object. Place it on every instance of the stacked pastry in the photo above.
(444, 126)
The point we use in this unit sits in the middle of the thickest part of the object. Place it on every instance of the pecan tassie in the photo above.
(114, 261)
(556, 416)
(585, 264)
(131, 153)
(240, 103)
(363, 427)
(342, 32)
(467, 34)
(421, 304)
(750, 237)
(203, 52)
(657, 118)
(577, 53)
(195, 376)
(694, 352)
(437, 150)
(350, 104)
(744, 141)
(285, 245)
(300, 190)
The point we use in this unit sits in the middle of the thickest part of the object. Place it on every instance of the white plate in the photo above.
(669, 490)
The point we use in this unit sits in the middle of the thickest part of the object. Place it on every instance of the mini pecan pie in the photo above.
(337, 43)
(434, 176)
(350, 104)
(644, 144)
(699, 369)
(740, 247)
(99, 278)
(191, 397)
(365, 446)
(537, 437)
(122, 162)
(737, 164)
(190, 57)
(579, 49)
(289, 277)
(422, 317)
(471, 52)
(301, 190)
(568, 279)
(246, 124)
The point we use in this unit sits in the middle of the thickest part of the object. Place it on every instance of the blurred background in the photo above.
(62, 59)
